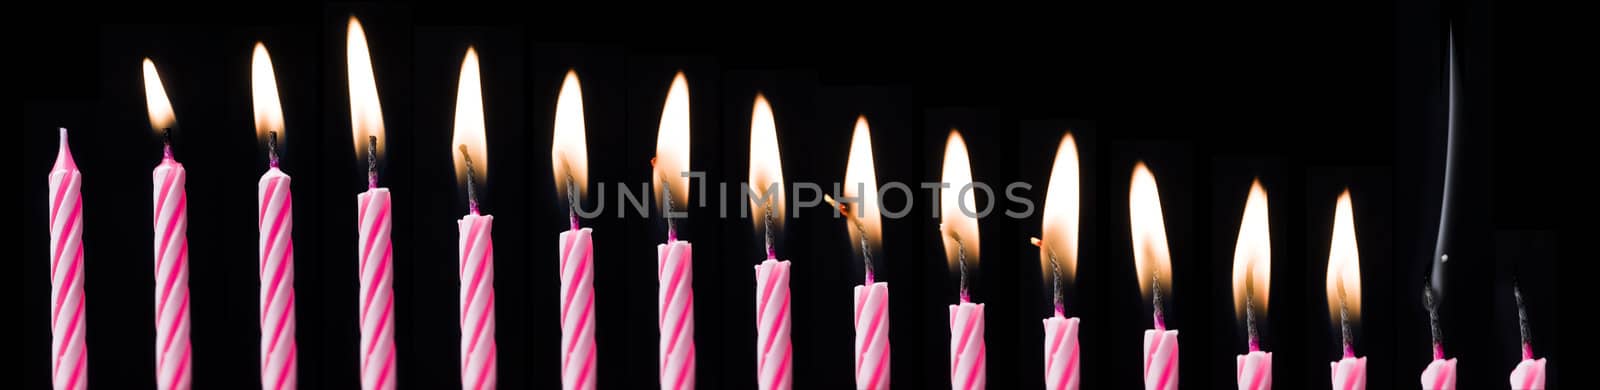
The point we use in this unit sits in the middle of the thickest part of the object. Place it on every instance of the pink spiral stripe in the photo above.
(172, 277)
(872, 336)
(1529, 375)
(275, 222)
(774, 353)
(675, 305)
(69, 349)
(1349, 373)
(1160, 359)
(377, 290)
(968, 354)
(1061, 353)
(478, 353)
(577, 310)
(1254, 371)
(1440, 375)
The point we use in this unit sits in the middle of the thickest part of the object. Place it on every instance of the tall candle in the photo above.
(1529, 374)
(374, 218)
(69, 357)
(569, 159)
(774, 353)
(1344, 295)
(959, 228)
(275, 226)
(871, 299)
(674, 259)
(1153, 262)
(173, 369)
(479, 355)
(1058, 262)
(1252, 276)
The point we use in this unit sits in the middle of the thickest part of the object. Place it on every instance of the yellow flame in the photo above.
(954, 223)
(469, 122)
(1151, 257)
(155, 99)
(366, 114)
(672, 146)
(1059, 235)
(1344, 262)
(1252, 254)
(264, 93)
(569, 153)
(861, 182)
(766, 166)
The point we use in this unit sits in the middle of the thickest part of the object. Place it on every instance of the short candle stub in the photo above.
(472, 185)
(372, 162)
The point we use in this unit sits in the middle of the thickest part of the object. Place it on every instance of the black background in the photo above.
(1310, 97)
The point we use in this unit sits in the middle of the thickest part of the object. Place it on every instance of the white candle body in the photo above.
(1440, 375)
(1349, 373)
(1529, 375)
(173, 359)
(377, 290)
(275, 226)
(1061, 353)
(774, 353)
(872, 336)
(675, 305)
(478, 353)
(968, 354)
(69, 357)
(1254, 371)
(1161, 359)
(577, 310)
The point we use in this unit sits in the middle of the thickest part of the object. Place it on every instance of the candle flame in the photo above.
(861, 183)
(766, 166)
(366, 114)
(569, 155)
(155, 98)
(958, 228)
(1344, 262)
(672, 146)
(1252, 255)
(1151, 257)
(264, 93)
(469, 127)
(1059, 235)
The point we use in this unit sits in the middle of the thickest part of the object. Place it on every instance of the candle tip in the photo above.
(272, 149)
(372, 157)
(166, 143)
(472, 187)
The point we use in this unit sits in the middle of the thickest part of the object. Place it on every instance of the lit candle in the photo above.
(171, 245)
(959, 231)
(1153, 261)
(68, 345)
(374, 217)
(860, 207)
(674, 259)
(1058, 263)
(774, 353)
(1529, 374)
(569, 158)
(275, 226)
(1344, 295)
(1441, 372)
(476, 265)
(1252, 280)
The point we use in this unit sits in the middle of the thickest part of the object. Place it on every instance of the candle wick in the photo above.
(472, 185)
(372, 161)
(1347, 336)
(1250, 314)
(1522, 322)
(866, 250)
(1060, 299)
(772, 253)
(961, 261)
(1155, 300)
(1432, 304)
(166, 143)
(572, 201)
(666, 201)
(272, 149)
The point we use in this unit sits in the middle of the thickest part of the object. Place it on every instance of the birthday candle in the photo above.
(275, 226)
(1153, 261)
(173, 368)
(69, 357)
(774, 353)
(374, 218)
(479, 354)
(569, 159)
(674, 258)
(968, 352)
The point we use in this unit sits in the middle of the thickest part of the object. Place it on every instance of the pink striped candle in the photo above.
(1344, 295)
(173, 370)
(1349, 373)
(1440, 375)
(1252, 282)
(959, 233)
(968, 354)
(872, 335)
(1254, 371)
(69, 358)
(1160, 359)
(1153, 262)
(674, 259)
(374, 215)
(1060, 231)
(1061, 353)
(479, 355)
(275, 225)
(569, 161)
(775, 353)
(860, 208)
